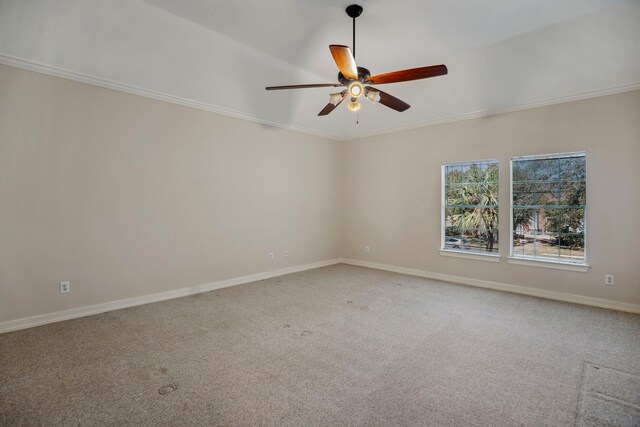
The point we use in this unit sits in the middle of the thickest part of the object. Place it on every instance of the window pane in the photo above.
(550, 220)
(471, 207)
(453, 174)
(523, 246)
(523, 194)
(573, 220)
(546, 193)
(572, 247)
(522, 171)
(573, 168)
(573, 193)
(547, 245)
(453, 193)
(546, 169)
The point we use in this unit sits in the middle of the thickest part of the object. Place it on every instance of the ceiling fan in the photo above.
(357, 80)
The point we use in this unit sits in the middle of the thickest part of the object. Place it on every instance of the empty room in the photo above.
(320, 213)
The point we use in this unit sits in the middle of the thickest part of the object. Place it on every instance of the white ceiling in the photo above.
(501, 54)
(389, 32)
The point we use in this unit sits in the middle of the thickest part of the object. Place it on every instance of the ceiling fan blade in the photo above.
(304, 86)
(389, 100)
(345, 61)
(330, 106)
(410, 74)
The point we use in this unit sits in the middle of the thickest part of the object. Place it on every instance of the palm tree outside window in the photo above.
(470, 207)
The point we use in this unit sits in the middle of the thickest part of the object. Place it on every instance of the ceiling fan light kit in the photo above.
(373, 96)
(357, 79)
(336, 98)
(356, 89)
(354, 105)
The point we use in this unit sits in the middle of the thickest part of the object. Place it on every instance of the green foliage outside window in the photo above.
(471, 207)
(549, 202)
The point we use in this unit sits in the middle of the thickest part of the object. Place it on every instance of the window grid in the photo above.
(470, 207)
(549, 208)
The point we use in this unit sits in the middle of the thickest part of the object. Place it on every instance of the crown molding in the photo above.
(147, 93)
(487, 113)
(121, 87)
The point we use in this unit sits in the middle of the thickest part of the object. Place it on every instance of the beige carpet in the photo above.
(339, 345)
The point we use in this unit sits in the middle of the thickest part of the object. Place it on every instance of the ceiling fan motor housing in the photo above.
(363, 74)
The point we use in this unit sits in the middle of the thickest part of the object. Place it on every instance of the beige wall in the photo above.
(127, 196)
(391, 192)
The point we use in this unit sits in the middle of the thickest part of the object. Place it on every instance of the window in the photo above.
(470, 207)
(548, 200)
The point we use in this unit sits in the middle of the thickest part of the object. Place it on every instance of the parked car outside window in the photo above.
(454, 243)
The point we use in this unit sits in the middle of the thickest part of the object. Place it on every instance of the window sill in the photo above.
(581, 268)
(470, 255)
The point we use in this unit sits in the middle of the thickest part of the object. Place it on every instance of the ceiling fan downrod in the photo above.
(353, 11)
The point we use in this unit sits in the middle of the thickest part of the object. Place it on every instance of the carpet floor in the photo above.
(339, 345)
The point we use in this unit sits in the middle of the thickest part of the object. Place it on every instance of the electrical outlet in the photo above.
(608, 279)
(367, 249)
(286, 254)
(65, 287)
(271, 256)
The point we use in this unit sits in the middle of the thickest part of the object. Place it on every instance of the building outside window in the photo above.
(548, 201)
(470, 207)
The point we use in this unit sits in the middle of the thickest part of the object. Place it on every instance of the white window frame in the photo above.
(529, 261)
(478, 256)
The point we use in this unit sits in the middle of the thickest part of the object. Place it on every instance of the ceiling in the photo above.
(390, 33)
(501, 54)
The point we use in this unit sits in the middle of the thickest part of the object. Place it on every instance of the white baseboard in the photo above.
(43, 319)
(540, 293)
